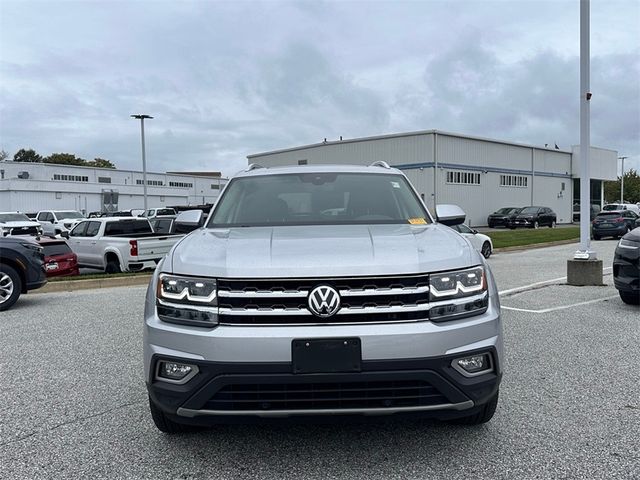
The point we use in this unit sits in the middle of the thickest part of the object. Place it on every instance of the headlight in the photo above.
(458, 294)
(624, 243)
(187, 300)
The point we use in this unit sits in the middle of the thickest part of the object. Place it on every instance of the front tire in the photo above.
(630, 298)
(10, 287)
(483, 416)
(164, 423)
(486, 250)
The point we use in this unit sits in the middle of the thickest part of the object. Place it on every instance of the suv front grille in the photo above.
(284, 301)
(330, 395)
(24, 231)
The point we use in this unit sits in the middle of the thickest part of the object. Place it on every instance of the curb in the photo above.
(536, 245)
(73, 285)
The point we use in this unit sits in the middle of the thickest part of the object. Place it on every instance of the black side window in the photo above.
(80, 229)
(92, 229)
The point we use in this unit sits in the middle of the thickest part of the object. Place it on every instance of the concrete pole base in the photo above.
(581, 273)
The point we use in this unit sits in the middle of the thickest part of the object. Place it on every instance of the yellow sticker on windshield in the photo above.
(417, 221)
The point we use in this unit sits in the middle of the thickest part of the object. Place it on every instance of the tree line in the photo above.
(631, 188)
(30, 155)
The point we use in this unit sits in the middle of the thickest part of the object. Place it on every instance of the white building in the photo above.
(479, 174)
(30, 187)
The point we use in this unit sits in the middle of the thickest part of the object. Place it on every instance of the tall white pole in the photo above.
(142, 117)
(585, 251)
(622, 182)
(144, 166)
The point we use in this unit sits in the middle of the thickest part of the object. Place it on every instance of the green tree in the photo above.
(29, 155)
(101, 163)
(631, 188)
(65, 159)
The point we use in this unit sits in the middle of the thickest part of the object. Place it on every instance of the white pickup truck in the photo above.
(55, 222)
(119, 244)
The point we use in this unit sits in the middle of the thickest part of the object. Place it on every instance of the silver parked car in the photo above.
(322, 290)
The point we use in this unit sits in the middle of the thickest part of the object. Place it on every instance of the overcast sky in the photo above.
(227, 79)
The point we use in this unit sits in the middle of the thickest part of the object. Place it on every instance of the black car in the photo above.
(613, 223)
(501, 217)
(626, 268)
(21, 269)
(534, 217)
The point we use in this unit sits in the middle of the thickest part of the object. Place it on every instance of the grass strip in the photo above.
(93, 276)
(520, 237)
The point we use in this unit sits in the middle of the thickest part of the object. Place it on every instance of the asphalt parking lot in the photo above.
(73, 402)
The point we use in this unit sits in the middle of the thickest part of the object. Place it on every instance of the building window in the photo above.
(70, 178)
(463, 178)
(104, 179)
(518, 181)
(181, 184)
(302, 162)
(58, 195)
(215, 186)
(154, 183)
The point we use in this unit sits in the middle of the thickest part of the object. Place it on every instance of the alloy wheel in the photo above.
(6, 287)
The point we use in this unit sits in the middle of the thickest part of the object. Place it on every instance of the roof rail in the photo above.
(380, 163)
(253, 166)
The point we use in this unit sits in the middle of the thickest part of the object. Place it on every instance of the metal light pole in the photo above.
(141, 117)
(584, 268)
(622, 180)
(585, 252)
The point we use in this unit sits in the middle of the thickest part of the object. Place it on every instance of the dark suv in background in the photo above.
(502, 217)
(613, 223)
(21, 269)
(534, 217)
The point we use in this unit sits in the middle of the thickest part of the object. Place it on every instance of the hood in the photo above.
(19, 223)
(633, 235)
(321, 251)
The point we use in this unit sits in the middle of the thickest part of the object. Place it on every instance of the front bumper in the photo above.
(626, 269)
(448, 394)
(228, 356)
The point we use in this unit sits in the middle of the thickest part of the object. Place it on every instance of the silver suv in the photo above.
(322, 290)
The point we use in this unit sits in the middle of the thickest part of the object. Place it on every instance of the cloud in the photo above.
(224, 80)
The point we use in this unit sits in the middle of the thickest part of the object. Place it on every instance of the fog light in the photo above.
(175, 372)
(473, 365)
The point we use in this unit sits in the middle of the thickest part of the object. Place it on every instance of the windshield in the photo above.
(505, 211)
(610, 214)
(14, 217)
(68, 214)
(529, 210)
(318, 199)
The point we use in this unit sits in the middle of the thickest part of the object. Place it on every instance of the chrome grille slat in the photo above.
(285, 300)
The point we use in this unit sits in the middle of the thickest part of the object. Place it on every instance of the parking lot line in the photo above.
(537, 284)
(562, 307)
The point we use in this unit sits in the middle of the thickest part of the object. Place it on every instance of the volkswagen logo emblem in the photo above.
(324, 301)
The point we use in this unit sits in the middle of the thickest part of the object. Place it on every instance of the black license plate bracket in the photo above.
(326, 355)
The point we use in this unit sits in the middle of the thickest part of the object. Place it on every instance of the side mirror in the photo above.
(188, 221)
(450, 214)
(64, 235)
(474, 231)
